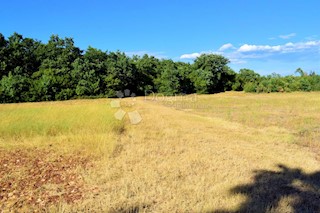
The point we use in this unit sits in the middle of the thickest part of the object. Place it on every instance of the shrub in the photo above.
(250, 87)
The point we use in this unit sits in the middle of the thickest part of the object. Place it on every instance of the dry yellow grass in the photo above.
(228, 152)
(86, 125)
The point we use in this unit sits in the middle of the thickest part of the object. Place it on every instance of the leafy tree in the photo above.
(243, 77)
(202, 81)
(305, 84)
(210, 71)
(250, 87)
(96, 63)
(47, 83)
(14, 88)
(168, 80)
(227, 79)
(87, 77)
(3, 58)
(185, 75)
(314, 82)
(53, 81)
(146, 73)
(301, 72)
(120, 74)
(58, 53)
(18, 52)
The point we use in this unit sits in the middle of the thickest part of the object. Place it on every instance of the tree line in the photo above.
(58, 70)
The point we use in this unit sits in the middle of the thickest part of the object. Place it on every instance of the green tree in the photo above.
(3, 48)
(305, 84)
(120, 74)
(243, 77)
(168, 81)
(54, 81)
(210, 71)
(301, 72)
(14, 88)
(146, 72)
(185, 75)
(88, 81)
(18, 52)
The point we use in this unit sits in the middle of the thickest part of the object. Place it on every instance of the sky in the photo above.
(267, 36)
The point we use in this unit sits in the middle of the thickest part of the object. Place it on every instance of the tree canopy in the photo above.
(31, 70)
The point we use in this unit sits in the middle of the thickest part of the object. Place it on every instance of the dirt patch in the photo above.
(37, 178)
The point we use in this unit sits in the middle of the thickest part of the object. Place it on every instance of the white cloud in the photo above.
(288, 36)
(197, 54)
(190, 56)
(285, 48)
(254, 48)
(287, 52)
(251, 48)
(226, 46)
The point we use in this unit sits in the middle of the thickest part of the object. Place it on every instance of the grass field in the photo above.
(228, 152)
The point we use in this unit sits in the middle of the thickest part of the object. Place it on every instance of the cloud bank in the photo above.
(286, 48)
(238, 55)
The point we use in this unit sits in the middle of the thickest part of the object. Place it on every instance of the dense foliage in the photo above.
(58, 70)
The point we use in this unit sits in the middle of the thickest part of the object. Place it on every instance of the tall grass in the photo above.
(69, 126)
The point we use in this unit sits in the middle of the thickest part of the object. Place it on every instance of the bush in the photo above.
(250, 87)
(305, 85)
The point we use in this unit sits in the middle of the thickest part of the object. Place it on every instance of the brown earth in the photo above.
(39, 178)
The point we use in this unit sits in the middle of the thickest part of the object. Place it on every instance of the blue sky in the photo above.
(266, 35)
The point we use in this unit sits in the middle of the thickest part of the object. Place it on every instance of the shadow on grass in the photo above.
(300, 192)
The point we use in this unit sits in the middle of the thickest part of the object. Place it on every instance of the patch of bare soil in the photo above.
(34, 178)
